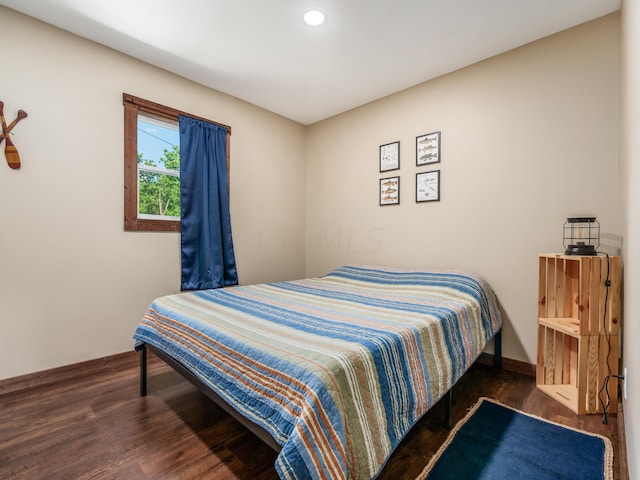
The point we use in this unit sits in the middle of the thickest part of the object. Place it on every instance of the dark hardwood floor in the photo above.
(96, 426)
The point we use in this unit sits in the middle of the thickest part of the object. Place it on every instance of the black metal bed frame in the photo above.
(257, 430)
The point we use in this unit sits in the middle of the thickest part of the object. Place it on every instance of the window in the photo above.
(158, 164)
(152, 165)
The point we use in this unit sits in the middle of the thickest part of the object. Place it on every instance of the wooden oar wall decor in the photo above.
(10, 150)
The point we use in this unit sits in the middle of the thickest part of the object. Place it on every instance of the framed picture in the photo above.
(390, 191)
(428, 148)
(428, 186)
(390, 156)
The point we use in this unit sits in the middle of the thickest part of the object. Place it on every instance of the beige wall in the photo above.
(73, 284)
(630, 156)
(528, 138)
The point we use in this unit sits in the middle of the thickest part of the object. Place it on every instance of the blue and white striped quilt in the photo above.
(337, 368)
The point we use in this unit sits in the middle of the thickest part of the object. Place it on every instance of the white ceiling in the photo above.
(262, 52)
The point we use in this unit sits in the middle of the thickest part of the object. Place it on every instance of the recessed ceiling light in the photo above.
(314, 18)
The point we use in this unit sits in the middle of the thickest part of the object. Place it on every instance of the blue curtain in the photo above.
(207, 254)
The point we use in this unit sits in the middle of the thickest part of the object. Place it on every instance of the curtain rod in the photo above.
(165, 111)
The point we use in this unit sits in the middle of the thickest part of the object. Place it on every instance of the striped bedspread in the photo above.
(337, 368)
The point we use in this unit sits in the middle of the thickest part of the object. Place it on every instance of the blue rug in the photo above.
(499, 443)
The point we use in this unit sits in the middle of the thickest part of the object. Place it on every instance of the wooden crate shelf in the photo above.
(570, 326)
(578, 327)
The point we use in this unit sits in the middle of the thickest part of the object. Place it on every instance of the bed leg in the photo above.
(497, 349)
(143, 369)
(448, 400)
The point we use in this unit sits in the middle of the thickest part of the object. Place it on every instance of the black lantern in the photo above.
(581, 236)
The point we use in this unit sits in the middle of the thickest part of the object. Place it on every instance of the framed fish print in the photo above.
(389, 191)
(428, 148)
(428, 186)
(389, 156)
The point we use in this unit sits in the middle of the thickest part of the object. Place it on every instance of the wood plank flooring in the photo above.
(96, 426)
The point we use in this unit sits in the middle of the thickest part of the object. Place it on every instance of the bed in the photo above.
(331, 371)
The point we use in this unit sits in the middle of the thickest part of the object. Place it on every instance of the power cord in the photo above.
(607, 334)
